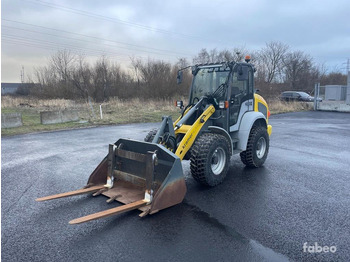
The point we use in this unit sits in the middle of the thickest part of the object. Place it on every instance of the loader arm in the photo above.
(191, 132)
(184, 113)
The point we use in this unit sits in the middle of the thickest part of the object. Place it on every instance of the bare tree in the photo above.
(239, 53)
(298, 70)
(70, 76)
(102, 79)
(270, 60)
(135, 65)
(203, 57)
(334, 78)
(225, 56)
(47, 83)
(213, 56)
(82, 78)
(118, 80)
(62, 63)
(182, 62)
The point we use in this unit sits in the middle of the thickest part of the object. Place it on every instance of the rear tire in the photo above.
(210, 159)
(257, 147)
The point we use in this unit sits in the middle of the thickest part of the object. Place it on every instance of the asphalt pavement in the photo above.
(301, 195)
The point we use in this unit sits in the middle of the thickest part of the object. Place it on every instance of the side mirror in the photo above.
(179, 77)
(257, 91)
(179, 104)
(242, 73)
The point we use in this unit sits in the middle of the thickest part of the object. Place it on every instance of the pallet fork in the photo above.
(141, 175)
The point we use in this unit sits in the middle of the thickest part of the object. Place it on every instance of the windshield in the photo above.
(207, 80)
(303, 94)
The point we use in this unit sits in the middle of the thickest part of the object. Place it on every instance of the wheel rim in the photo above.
(218, 161)
(261, 147)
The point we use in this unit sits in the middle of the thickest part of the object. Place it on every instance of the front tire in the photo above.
(257, 147)
(151, 134)
(210, 159)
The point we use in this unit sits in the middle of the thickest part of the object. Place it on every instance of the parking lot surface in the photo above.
(301, 195)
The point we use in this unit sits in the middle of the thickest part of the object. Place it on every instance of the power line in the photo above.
(98, 38)
(116, 20)
(42, 46)
(52, 48)
(40, 43)
(85, 41)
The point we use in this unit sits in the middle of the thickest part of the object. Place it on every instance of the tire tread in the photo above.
(247, 156)
(199, 155)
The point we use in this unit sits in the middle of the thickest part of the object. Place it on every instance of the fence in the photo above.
(332, 98)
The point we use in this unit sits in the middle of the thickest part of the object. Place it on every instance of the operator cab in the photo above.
(206, 80)
(230, 87)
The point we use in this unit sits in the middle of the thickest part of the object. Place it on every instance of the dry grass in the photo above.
(54, 104)
(115, 111)
(134, 110)
(278, 106)
(21, 102)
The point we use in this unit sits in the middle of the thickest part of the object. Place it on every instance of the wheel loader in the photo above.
(224, 116)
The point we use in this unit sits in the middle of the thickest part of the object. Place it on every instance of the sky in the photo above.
(33, 30)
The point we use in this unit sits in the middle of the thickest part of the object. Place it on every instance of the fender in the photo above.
(221, 131)
(248, 120)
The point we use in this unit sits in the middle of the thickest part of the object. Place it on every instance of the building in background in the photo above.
(20, 89)
(335, 93)
(9, 88)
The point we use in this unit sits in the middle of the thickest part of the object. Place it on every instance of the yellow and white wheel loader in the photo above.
(224, 116)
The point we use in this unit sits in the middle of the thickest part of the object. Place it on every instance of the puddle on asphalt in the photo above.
(267, 253)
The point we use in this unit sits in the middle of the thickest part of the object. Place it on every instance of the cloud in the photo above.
(169, 29)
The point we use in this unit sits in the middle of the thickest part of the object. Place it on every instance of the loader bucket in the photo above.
(134, 174)
(141, 175)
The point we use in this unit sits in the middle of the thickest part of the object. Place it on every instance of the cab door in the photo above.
(241, 95)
